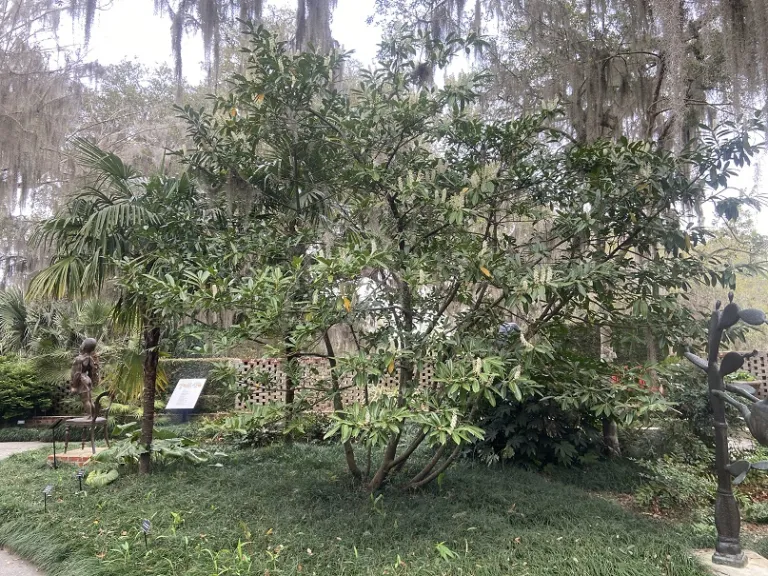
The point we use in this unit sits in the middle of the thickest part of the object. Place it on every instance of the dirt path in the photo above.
(10, 565)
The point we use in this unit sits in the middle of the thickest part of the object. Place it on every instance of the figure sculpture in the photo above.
(85, 376)
(728, 546)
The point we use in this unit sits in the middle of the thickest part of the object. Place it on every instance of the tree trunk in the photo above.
(291, 367)
(611, 438)
(151, 355)
(610, 429)
(338, 406)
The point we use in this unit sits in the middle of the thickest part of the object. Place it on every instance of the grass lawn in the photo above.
(293, 511)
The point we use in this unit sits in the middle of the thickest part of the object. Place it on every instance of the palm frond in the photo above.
(64, 276)
(15, 331)
(124, 373)
(109, 169)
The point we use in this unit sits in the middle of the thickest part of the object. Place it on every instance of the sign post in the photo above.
(146, 526)
(53, 439)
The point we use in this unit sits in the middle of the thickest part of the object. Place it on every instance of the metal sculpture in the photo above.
(728, 547)
(85, 376)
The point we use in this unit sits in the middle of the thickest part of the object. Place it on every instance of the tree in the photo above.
(641, 68)
(649, 69)
(297, 164)
(431, 239)
(123, 108)
(108, 221)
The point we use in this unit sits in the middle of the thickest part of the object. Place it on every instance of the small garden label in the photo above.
(46, 493)
(185, 394)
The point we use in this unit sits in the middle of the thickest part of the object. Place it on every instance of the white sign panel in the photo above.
(185, 394)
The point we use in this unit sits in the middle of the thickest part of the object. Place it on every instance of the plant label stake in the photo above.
(146, 526)
(79, 475)
(46, 493)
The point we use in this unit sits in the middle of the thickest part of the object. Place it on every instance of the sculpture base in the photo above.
(752, 564)
(77, 457)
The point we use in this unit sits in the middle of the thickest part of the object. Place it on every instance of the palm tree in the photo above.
(102, 225)
(15, 329)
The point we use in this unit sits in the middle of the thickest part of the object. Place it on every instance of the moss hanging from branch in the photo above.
(313, 24)
(208, 17)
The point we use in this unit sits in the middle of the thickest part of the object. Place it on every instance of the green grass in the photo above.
(295, 512)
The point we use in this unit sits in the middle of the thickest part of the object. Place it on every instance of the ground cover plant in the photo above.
(290, 510)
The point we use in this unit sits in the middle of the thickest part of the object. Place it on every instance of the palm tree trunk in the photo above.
(151, 355)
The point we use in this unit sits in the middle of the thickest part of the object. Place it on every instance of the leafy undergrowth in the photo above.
(291, 510)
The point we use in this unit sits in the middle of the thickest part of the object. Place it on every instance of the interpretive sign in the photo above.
(185, 394)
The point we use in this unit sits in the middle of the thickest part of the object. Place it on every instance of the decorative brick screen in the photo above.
(60, 393)
(263, 381)
(758, 367)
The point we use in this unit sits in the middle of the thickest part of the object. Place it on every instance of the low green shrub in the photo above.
(265, 424)
(122, 413)
(536, 432)
(21, 434)
(22, 394)
(687, 388)
(671, 437)
(672, 485)
(166, 446)
(756, 512)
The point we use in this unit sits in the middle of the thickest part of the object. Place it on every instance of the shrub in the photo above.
(265, 424)
(674, 485)
(671, 437)
(756, 512)
(687, 388)
(22, 394)
(165, 447)
(536, 432)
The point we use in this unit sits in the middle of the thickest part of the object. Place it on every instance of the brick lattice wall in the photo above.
(264, 381)
(758, 367)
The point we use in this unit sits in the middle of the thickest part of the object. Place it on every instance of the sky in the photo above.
(115, 38)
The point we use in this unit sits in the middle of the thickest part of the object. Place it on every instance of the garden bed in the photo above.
(292, 510)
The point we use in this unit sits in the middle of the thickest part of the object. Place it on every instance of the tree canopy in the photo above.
(397, 213)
